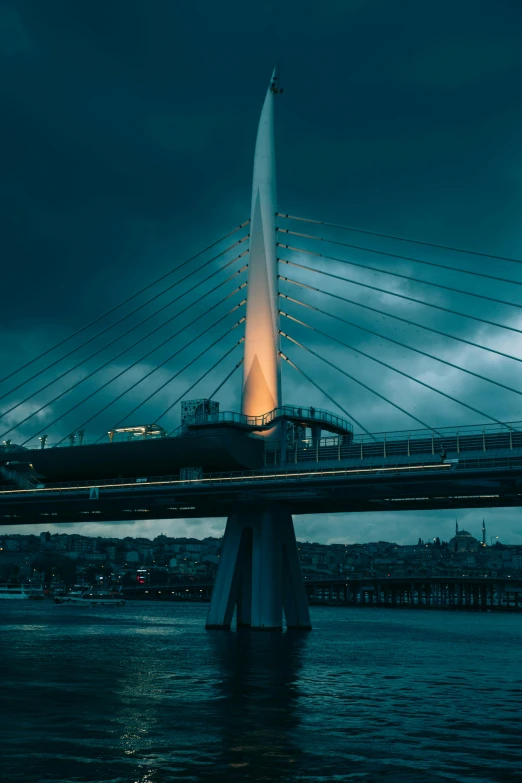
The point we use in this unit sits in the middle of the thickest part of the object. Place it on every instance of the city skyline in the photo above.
(425, 525)
(54, 530)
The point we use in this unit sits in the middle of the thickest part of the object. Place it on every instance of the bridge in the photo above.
(414, 592)
(270, 460)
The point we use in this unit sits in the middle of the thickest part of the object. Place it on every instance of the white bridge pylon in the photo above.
(259, 570)
(259, 573)
(262, 363)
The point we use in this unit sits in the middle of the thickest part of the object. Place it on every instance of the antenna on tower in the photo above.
(276, 80)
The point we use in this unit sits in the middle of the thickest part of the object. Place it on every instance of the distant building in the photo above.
(44, 538)
(82, 544)
(95, 557)
(58, 543)
(463, 541)
(111, 552)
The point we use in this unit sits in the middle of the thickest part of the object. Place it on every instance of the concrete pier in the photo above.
(259, 573)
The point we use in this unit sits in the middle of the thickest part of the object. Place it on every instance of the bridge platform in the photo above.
(412, 471)
(313, 418)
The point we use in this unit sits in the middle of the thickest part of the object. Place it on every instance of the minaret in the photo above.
(483, 533)
(456, 528)
(262, 364)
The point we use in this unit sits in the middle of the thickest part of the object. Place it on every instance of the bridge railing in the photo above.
(373, 441)
(442, 432)
(444, 441)
(231, 477)
(287, 473)
(307, 415)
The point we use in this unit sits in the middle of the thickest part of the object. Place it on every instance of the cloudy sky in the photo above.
(127, 133)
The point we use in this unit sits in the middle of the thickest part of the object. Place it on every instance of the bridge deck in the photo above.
(487, 481)
(445, 470)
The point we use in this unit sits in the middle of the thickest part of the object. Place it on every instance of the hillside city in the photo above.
(75, 558)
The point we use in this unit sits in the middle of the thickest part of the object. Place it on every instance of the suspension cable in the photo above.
(397, 274)
(130, 347)
(328, 396)
(378, 394)
(166, 383)
(391, 340)
(207, 372)
(401, 258)
(390, 367)
(125, 301)
(115, 377)
(230, 374)
(114, 358)
(123, 318)
(398, 318)
(401, 239)
(392, 293)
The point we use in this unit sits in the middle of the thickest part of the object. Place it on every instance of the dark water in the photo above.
(143, 694)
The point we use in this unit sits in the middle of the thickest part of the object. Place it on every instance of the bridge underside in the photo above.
(495, 483)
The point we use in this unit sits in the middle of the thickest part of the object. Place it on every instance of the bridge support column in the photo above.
(259, 572)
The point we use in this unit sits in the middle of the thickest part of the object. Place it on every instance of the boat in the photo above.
(35, 593)
(91, 597)
(72, 596)
(16, 592)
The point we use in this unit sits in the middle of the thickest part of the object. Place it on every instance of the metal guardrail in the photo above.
(336, 448)
(311, 414)
(295, 473)
(118, 437)
(442, 432)
(437, 435)
(232, 477)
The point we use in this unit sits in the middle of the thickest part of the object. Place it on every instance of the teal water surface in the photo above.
(143, 694)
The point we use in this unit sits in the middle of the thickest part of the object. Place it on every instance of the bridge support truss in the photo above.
(259, 573)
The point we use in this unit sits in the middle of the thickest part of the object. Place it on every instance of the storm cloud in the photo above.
(128, 134)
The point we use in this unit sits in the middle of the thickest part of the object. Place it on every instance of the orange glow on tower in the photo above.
(262, 366)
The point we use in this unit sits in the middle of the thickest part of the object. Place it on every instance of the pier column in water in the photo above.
(259, 572)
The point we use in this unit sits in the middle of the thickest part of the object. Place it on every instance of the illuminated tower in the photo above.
(261, 367)
(483, 533)
(259, 574)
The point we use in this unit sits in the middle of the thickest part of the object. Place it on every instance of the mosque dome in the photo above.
(463, 541)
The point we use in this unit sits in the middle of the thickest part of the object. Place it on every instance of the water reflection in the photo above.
(257, 701)
(145, 695)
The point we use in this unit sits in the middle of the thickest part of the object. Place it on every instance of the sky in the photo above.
(128, 134)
